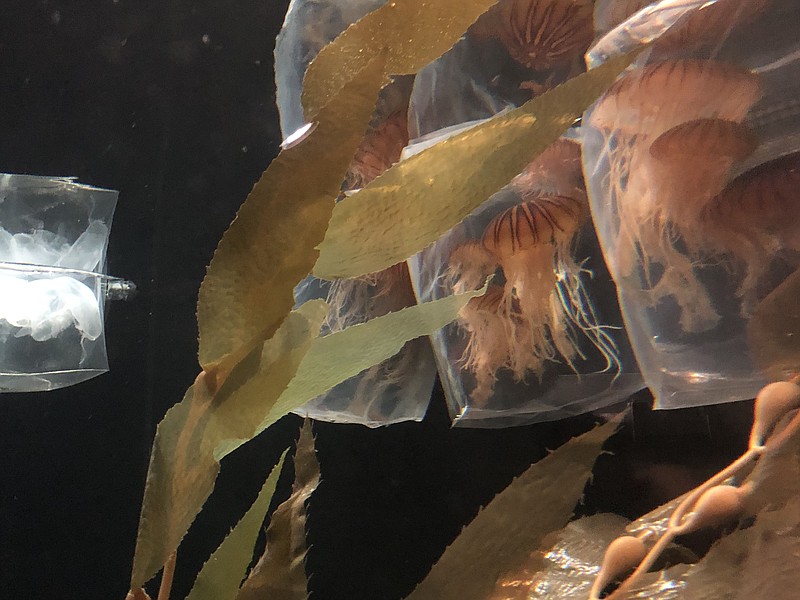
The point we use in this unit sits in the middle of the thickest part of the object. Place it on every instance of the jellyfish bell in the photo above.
(557, 171)
(755, 219)
(763, 201)
(689, 165)
(704, 26)
(647, 102)
(531, 242)
(543, 34)
(379, 150)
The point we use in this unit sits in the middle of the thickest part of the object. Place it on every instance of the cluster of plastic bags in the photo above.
(691, 169)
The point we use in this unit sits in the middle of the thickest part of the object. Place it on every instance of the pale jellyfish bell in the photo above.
(53, 239)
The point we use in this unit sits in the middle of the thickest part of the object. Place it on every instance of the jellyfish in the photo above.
(497, 338)
(544, 34)
(557, 171)
(702, 27)
(468, 267)
(755, 219)
(667, 159)
(379, 150)
(688, 166)
(535, 315)
(356, 300)
(531, 242)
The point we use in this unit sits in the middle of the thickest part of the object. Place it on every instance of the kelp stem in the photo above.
(166, 579)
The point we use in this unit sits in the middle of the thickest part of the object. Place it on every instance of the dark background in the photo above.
(172, 103)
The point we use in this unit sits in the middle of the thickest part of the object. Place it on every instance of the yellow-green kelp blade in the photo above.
(504, 535)
(270, 246)
(280, 572)
(416, 201)
(336, 357)
(220, 577)
(191, 438)
(415, 32)
(202, 429)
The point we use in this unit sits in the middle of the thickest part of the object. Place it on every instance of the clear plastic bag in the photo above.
(308, 27)
(53, 240)
(543, 343)
(398, 389)
(692, 163)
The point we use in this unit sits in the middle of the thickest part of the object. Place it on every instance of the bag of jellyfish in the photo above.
(397, 389)
(545, 341)
(53, 239)
(693, 163)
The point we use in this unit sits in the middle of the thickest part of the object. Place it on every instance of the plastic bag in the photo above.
(308, 27)
(53, 240)
(398, 389)
(692, 162)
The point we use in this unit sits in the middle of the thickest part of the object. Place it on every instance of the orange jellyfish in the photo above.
(755, 219)
(673, 135)
(356, 300)
(705, 26)
(541, 310)
(496, 339)
(557, 171)
(542, 305)
(531, 242)
(543, 34)
(379, 150)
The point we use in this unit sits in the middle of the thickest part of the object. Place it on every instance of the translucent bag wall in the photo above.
(546, 341)
(398, 389)
(692, 164)
(53, 239)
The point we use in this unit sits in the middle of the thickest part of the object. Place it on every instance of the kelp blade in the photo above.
(338, 356)
(184, 462)
(221, 575)
(198, 432)
(414, 32)
(280, 572)
(416, 201)
(504, 535)
(270, 246)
